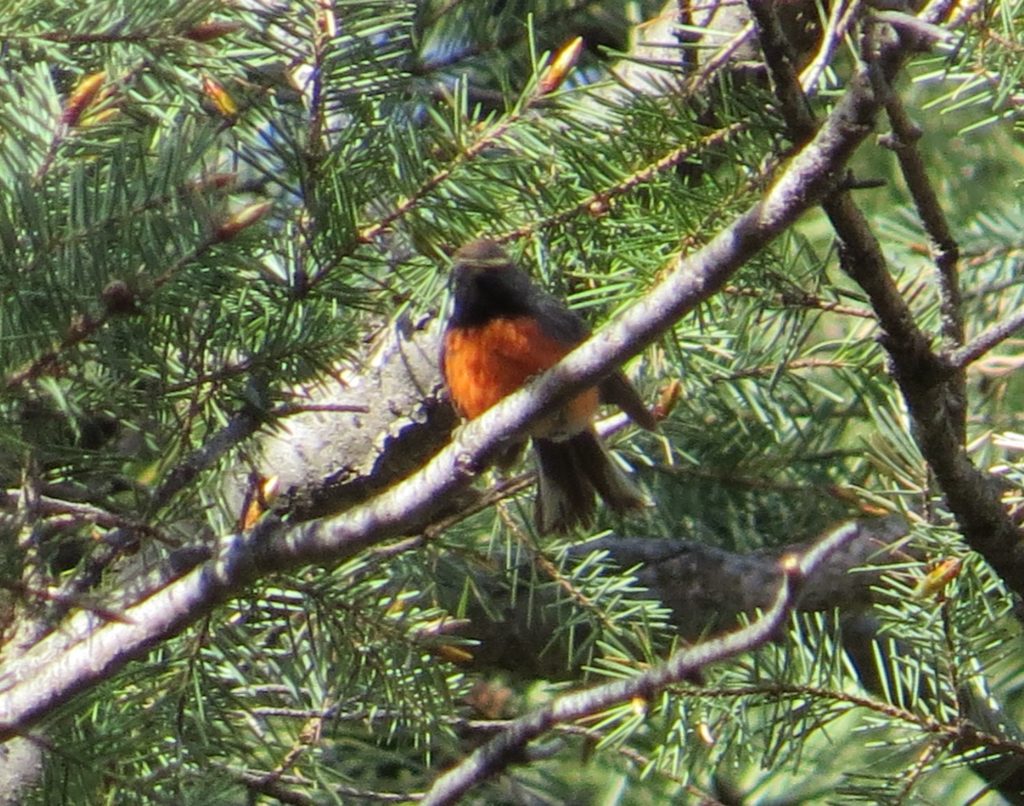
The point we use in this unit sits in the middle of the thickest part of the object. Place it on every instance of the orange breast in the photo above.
(484, 364)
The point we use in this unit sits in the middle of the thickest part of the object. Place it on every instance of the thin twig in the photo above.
(799, 299)
(83, 326)
(903, 142)
(291, 409)
(82, 513)
(958, 731)
(985, 341)
(600, 201)
(719, 59)
(841, 17)
(69, 601)
(466, 155)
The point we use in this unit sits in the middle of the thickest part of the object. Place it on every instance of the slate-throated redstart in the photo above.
(503, 330)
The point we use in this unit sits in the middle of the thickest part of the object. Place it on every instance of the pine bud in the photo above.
(936, 580)
(260, 500)
(211, 29)
(599, 207)
(245, 217)
(222, 100)
(668, 397)
(560, 66)
(215, 181)
(83, 95)
(118, 299)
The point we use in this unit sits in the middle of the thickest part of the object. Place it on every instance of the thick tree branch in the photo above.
(930, 389)
(707, 585)
(85, 651)
(508, 747)
(327, 460)
(930, 385)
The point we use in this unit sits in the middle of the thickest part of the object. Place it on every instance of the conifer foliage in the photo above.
(248, 553)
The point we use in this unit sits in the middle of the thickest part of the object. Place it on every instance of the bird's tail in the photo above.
(568, 474)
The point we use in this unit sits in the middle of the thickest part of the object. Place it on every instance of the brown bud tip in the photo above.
(216, 181)
(245, 217)
(211, 29)
(668, 397)
(82, 95)
(261, 499)
(560, 66)
(327, 22)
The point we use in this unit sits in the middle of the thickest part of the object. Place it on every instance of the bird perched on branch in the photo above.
(502, 331)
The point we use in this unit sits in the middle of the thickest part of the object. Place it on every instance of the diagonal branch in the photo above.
(508, 746)
(986, 340)
(85, 651)
(903, 142)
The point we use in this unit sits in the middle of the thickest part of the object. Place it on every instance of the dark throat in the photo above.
(480, 297)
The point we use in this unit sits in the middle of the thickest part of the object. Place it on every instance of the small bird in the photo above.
(502, 331)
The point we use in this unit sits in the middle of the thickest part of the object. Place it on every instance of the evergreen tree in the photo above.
(250, 554)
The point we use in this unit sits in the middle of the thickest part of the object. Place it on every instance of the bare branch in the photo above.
(985, 341)
(973, 497)
(781, 64)
(75, 511)
(601, 200)
(903, 142)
